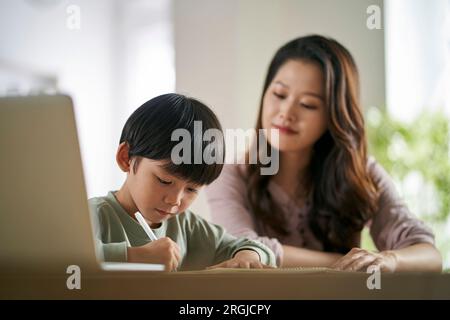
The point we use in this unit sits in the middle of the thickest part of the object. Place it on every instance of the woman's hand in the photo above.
(360, 259)
(247, 259)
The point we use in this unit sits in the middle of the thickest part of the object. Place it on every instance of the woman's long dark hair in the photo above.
(342, 192)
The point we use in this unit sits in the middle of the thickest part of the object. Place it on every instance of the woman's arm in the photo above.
(404, 242)
(418, 257)
(294, 257)
(422, 257)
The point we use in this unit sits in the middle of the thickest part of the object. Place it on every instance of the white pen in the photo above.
(145, 226)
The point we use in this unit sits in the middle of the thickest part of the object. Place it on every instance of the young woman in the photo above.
(312, 211)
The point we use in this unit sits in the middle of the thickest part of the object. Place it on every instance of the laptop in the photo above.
(45, 223)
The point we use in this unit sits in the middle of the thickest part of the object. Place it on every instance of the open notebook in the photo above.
(265, 271)
(122, 266)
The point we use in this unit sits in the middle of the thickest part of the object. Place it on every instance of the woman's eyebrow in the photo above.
(281, 83)
(319, 96)
(310, 93)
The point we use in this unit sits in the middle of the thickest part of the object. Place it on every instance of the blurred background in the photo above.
(113, 55)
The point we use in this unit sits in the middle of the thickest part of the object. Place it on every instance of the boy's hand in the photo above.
(164, 251)
(247, 259)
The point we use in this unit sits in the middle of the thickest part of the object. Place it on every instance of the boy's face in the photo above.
(158, 195)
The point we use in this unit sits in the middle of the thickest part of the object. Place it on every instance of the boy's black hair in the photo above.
(149, 129)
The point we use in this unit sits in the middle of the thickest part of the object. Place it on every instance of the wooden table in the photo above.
(225, 285)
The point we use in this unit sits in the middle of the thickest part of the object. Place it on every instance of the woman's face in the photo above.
(294, 103)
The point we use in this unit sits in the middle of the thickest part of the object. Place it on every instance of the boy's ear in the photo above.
(122, 158)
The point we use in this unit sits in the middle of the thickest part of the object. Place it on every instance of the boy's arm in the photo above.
(224, 245)
(229, 247)
(113, 252)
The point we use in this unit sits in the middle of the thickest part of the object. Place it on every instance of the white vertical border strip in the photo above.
(145, 60)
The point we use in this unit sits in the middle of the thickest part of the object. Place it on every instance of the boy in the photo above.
(162, 191)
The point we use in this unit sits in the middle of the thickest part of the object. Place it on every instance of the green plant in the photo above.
(420, 147)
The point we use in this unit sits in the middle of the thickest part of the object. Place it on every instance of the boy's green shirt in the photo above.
(201, 243)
